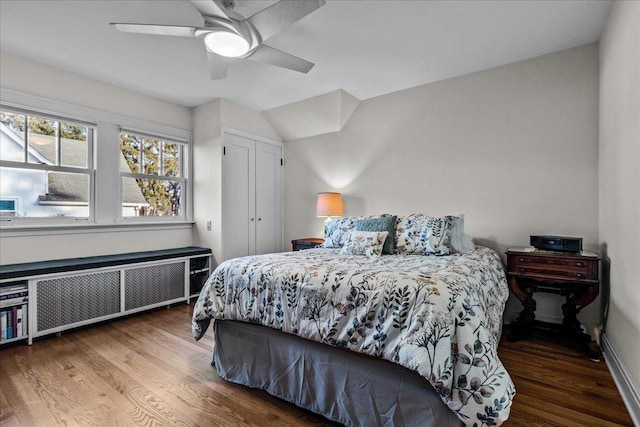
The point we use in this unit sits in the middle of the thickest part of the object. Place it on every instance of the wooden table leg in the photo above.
(573, 330)
(522, 327)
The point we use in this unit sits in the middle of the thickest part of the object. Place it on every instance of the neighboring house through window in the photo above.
(52, 170)
(46, 163)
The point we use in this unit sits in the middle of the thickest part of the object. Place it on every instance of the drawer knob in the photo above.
(521, 260)
(579, 264)
(579, 275)
(522, 270)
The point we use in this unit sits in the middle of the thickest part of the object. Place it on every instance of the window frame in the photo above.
(183, 167)
(106, 197)
(25, 165)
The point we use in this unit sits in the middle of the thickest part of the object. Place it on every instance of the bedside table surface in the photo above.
(311, 240)
(306, 243)
(529, 250)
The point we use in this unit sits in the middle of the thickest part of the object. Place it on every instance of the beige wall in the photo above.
(619, 162)
(514, 148)
(21, 74)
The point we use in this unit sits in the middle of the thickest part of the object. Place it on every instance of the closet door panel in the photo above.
(268, 198)
(238, 195)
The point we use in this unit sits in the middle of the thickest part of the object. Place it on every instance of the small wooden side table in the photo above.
(574, 276)
(306, 243)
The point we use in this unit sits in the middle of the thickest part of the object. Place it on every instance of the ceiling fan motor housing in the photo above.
(229, 4)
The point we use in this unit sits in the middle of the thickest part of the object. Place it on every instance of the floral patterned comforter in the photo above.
(437, 315)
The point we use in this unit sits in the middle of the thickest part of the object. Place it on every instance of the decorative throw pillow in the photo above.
(409, 234)
(367, 243)
(435, 237)
(460, 242)
(419, 234)
(384, 223)
(336, 231)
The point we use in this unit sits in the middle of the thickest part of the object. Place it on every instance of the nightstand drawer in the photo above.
(554, 266)
(554, 262)
(554, 274)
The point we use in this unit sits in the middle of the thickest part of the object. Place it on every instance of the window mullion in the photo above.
(26, 139)
(141, 145)
(58, 149)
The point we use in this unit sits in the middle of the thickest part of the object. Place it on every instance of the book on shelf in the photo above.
(13, 322)
(20, 330)
(10, 324)
(15, 300)
(13, 287)
(13, 294)
(3, 325)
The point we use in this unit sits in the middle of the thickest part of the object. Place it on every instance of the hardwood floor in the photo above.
(148, 370)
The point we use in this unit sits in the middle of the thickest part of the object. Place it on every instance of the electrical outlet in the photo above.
(208, 225)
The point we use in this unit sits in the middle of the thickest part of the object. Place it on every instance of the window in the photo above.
(152, 176)
(46, 163)
(63, 165)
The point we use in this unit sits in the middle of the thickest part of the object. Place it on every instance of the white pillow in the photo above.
(459, 241)
(367, 243)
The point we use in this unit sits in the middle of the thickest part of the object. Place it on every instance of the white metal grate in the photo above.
(153, 284)
(67, 300)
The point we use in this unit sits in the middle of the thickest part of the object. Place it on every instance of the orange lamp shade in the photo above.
(329, 205)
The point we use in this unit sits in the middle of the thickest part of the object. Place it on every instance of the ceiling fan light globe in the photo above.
(226, 43)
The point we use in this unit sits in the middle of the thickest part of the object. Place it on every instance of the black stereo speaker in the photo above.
(557, 243)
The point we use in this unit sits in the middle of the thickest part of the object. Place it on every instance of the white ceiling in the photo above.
(367, 48)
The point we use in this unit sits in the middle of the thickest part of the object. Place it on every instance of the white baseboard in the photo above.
(627, 389)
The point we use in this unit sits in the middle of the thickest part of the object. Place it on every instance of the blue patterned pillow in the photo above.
(385, 223)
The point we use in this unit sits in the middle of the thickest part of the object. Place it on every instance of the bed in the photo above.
(403, 339)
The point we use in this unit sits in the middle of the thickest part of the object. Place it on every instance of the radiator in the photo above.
(73, 299)
(82, 298)
(153, 284)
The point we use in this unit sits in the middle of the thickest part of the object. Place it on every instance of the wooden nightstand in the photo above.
(574, 276)
(306, 243)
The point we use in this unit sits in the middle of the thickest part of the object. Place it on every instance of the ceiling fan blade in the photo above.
(209, 8)
(218, 65)
(215, 8)
(279, 58)
(282, 14)
(162, 30)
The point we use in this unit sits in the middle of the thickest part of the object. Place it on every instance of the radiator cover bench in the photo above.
(68, 293)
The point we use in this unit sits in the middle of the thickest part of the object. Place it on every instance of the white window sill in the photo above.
(24, 230)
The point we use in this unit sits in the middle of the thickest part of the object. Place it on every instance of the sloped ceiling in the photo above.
(366, 48)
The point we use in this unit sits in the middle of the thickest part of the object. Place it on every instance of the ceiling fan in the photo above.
(229, 37)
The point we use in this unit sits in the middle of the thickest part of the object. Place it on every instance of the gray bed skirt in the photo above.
(350, 388)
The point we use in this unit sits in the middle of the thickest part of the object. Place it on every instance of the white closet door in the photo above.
(268, 198)
(238, 197)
